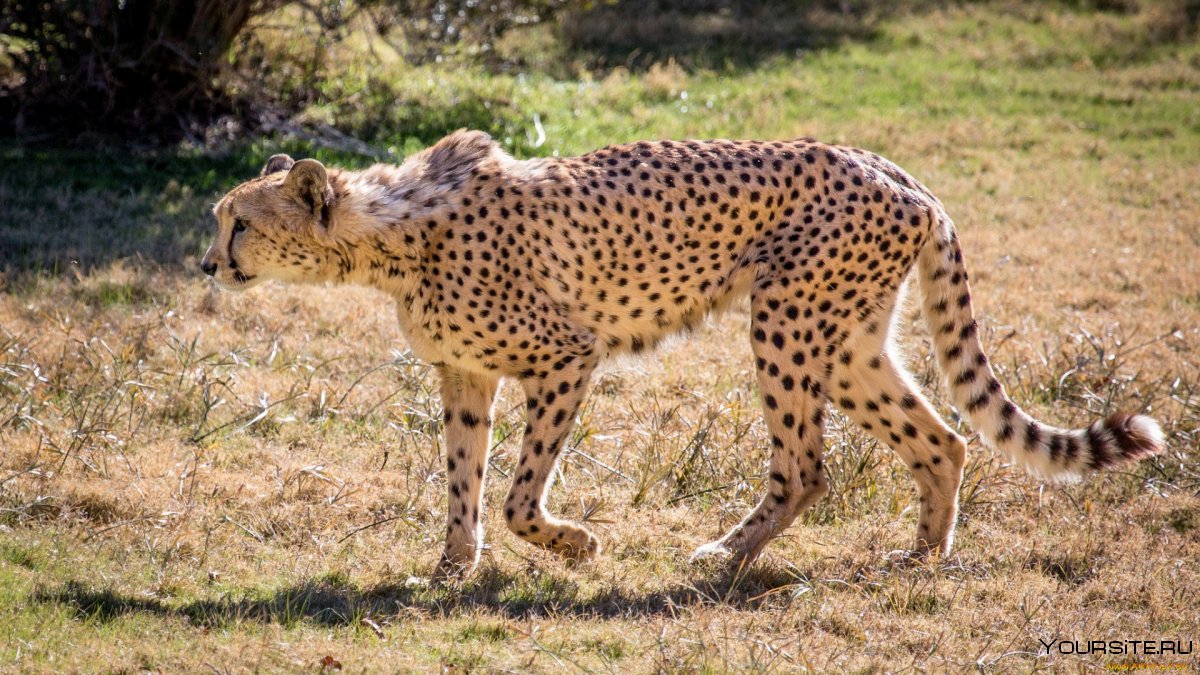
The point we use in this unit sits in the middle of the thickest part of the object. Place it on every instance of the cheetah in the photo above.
(538, 270)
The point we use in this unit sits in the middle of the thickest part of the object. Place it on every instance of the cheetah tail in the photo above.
(1046, 451)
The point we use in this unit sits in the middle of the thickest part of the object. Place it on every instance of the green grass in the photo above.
(200, 481)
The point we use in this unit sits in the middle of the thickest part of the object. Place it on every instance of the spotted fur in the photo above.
(538, 270)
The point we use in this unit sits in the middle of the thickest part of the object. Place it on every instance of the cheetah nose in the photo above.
(209, 268)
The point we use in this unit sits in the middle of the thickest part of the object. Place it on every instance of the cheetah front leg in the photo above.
(467, 411)
(791, 365)
(553, 398)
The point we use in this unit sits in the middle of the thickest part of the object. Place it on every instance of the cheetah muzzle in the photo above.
(537, 270)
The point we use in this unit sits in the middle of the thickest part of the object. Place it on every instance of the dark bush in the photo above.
(160, 66)
(119, 64)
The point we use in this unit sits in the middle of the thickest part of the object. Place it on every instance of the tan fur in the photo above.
(537, 270)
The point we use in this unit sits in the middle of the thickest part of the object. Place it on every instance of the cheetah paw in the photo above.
(906, 558)
(456, 564)
(577, 545)
(712, 552)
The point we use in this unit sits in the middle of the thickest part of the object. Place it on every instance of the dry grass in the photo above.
(194, 480)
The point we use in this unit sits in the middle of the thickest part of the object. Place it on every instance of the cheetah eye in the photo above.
(239, 225)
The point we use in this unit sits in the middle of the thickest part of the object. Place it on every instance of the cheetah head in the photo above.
(274, 227)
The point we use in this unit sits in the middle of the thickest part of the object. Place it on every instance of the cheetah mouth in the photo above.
(240, 278)
(237, 281)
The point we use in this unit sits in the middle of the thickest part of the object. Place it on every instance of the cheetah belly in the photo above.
(625, 329)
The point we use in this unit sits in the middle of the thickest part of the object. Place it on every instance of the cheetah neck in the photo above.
(378, 227)
(387, 218)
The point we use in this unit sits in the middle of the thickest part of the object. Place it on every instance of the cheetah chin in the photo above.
(538, 270)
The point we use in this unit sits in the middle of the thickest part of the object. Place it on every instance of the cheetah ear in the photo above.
(276, 164)
(308, 183)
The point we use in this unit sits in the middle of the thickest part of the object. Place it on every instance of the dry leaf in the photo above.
(374, 628)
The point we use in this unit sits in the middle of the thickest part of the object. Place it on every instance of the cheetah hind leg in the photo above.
(873, 391)
(791, 370)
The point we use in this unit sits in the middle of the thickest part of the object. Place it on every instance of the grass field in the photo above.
(193, 480)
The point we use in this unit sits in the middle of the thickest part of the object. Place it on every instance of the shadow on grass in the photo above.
(76, 208)
(332, 602)
(715, 33)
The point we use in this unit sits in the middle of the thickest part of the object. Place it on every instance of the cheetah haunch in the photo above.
(539, 269)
